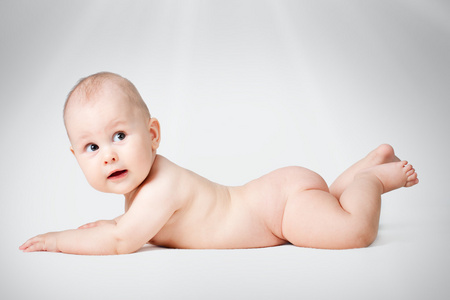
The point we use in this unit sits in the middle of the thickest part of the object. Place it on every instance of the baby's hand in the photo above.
(42, 242)
(97, 223)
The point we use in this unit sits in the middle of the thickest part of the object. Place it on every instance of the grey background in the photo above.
(240, 88)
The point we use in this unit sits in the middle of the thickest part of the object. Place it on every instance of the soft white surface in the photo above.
(240, 88)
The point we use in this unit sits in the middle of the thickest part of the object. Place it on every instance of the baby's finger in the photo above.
(23, 246)
(34, 247)
(26, 244)
(92, 224)
(88, 225)
(31, 244)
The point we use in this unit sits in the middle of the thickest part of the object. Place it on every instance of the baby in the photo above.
(114, 139)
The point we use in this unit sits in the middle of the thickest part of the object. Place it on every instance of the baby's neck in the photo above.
(129, 197)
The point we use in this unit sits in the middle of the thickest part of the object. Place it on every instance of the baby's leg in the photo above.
(381, 155)
(315, 218)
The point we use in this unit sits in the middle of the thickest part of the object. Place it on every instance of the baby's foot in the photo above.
(381, 155)
(394, 175)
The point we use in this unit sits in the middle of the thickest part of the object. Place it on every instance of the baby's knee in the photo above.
(363, 236)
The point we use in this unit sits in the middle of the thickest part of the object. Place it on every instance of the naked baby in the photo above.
(115, 140)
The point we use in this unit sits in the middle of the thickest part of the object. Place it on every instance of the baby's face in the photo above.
(115, 145)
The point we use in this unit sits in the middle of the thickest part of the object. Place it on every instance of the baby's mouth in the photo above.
(118, 174)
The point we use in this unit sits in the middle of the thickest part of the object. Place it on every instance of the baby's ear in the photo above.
(71, 150)
(155, 131)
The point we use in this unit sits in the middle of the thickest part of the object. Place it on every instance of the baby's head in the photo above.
(112, 134)
(89, 87)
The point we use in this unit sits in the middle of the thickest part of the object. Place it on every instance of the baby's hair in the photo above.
(89, 86)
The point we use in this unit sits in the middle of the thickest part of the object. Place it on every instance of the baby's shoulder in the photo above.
(166, 180)
(166, 173)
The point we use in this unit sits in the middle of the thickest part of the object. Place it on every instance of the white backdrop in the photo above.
(240, 88)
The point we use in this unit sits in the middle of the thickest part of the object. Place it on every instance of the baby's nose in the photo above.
(110, 158)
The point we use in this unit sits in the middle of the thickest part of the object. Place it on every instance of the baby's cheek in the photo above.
(93, 178)
(143, 158)
(143, 166)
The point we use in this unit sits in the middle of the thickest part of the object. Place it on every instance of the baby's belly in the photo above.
(246, 218)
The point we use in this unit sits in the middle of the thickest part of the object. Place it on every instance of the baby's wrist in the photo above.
(51, 242)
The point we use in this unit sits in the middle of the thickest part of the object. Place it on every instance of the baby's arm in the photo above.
(95, 240)
(146, 216)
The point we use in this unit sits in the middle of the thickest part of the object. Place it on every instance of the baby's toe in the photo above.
(410, 172)
(411, 183)
(407, 168)
(412, 177)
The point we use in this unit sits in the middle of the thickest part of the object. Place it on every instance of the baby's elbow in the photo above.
(125, 246)
(125, 250)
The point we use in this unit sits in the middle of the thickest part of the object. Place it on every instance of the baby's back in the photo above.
(215, 216)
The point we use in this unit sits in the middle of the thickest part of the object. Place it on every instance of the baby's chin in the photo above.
(121, 183)
(118, 189)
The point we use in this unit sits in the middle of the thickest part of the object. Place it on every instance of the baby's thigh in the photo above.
(314, 218)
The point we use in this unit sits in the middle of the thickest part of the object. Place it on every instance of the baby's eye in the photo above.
(120, 136)
(91, 148)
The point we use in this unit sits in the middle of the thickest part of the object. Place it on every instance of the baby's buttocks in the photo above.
(267, 196)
